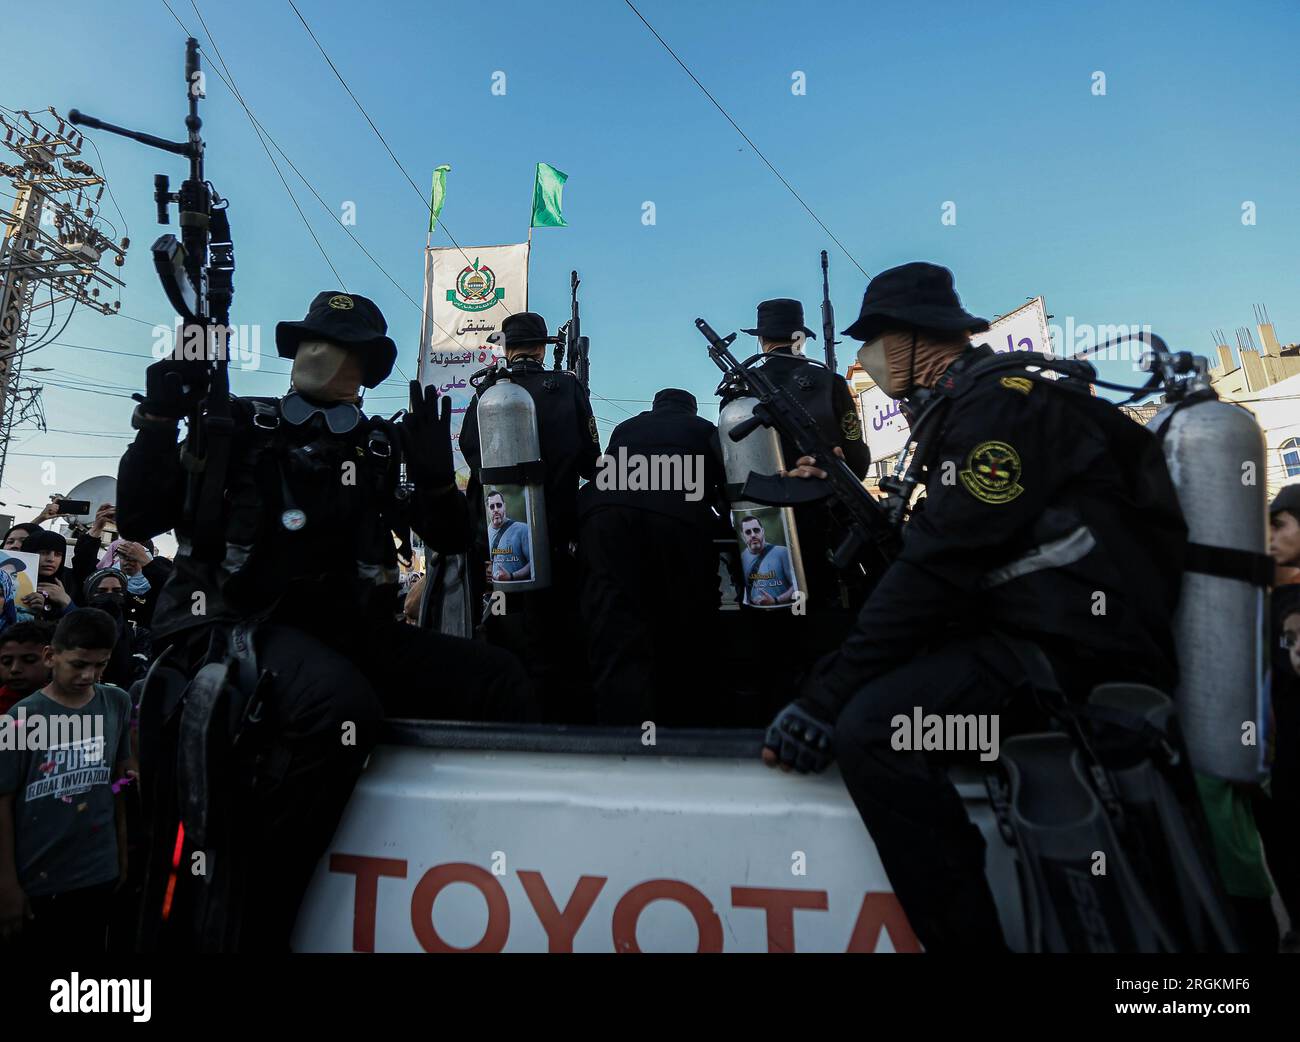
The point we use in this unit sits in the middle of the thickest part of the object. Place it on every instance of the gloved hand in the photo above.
(173, 387)
(798, 739)
(426, 440)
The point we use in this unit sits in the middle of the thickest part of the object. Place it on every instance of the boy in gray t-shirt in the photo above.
(64, 752)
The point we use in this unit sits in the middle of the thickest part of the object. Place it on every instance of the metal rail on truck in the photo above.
(590, 740)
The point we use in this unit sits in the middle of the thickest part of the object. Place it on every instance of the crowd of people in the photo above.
(69, 652)
(317, 504)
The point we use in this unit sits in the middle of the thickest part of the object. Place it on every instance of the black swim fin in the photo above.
(1080, 892)
(1166, 834)
(1108, 831)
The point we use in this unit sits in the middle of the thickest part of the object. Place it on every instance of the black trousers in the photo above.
(326, 703)
(649, 606)
(1278, 814)
(69, 924)
(540, 629)
(933, 853)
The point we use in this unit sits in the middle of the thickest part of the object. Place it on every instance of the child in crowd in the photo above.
(22, 661)
(62, 826)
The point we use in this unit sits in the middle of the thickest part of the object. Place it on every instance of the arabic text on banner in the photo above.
(467, 293)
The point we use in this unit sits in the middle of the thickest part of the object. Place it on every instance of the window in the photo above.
(1290, 450)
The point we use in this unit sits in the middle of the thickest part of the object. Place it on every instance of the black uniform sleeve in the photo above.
(588, 435)
(442, 520)
(150, 483)
(85, 555)
(469, 446)
(856, 453)
(1001, 461)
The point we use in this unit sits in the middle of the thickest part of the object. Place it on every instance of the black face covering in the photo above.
(339, 417)
(109, 602)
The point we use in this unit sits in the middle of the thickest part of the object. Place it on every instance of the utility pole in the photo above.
(52, 239)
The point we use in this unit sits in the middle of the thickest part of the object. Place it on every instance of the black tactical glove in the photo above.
(801, 740)
(173, 387)
(426, 440)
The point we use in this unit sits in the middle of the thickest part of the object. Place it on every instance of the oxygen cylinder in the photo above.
(1215, 455)
(514, 494)
(770, 557)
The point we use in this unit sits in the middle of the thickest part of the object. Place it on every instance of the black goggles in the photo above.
(340, 417)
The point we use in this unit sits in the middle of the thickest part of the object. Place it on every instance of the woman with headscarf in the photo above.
(52, 596)
(145, 575)
(18, 534)
(106, 589)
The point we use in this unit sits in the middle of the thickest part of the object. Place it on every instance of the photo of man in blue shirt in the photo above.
(769, 577)
(509, 542)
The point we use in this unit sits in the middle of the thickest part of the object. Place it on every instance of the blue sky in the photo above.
(1124, 208)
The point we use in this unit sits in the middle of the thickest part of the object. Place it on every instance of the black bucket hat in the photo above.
(523, 329)
(916, 294)
(350, 321)
(779, 319)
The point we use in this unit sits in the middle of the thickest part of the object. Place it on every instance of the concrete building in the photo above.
(1265, 380)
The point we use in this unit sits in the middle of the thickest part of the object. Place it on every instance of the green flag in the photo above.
(439, 194)
(546, 197)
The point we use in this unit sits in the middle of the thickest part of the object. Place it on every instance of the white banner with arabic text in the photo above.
(467, 293)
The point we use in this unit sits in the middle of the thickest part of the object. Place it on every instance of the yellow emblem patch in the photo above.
(992, 472)
(851, 426)
(341, 302)
(1017, 383)
(591, 426)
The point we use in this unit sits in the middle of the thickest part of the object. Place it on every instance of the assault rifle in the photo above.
(861, 517)
(828, 316)
(578, 345)
(197, 273)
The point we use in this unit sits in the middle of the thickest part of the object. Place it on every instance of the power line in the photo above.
(126, 230)
(261, 129)
(261, 368)
(427, 203)
(278, 173)
(757, 151)
(63, 455)
(43, 342)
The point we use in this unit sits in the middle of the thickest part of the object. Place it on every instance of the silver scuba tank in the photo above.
(1215, 455)
(514, 494)
(770, 556)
